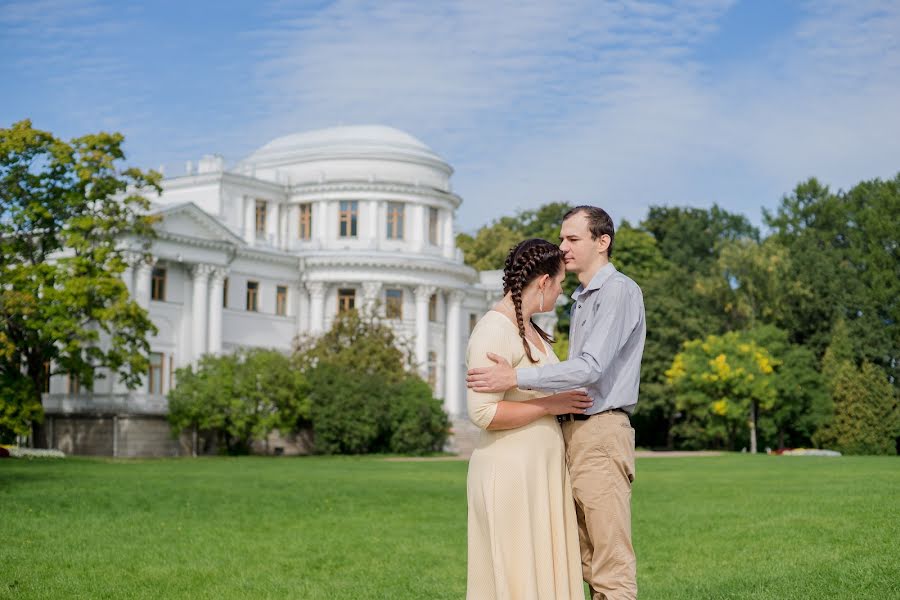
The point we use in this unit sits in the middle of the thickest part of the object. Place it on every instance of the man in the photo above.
(605, 346)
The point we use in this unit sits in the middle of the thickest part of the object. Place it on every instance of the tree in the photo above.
(690, 237)
(865, 418)
(364, 396)
(242, 397)
(720, 384)
(844, 250)
(66, 212)
(802, 404)
(866, 412)
(751, 283)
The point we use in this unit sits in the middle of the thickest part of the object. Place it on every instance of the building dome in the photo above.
(345, 142)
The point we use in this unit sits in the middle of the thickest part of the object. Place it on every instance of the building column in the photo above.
(319, 218)
(447, 240)
(375, 223)
(293, 226)
(454, 401)
(302, 310)
(417, 226)
(142, 282)
(216, 287)
(272, 215)
(250, 220)
(423, 294)
(317, 291)
(371, 290)
(200, 275)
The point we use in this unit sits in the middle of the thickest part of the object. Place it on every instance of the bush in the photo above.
(364, 397)
(359, 413)
(242, 397)
(418, 423)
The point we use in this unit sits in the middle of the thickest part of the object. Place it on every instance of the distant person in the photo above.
(522, 530)
(606, 341)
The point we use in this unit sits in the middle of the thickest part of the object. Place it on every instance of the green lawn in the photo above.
(332, 528)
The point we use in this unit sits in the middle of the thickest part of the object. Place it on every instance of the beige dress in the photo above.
(523, 536)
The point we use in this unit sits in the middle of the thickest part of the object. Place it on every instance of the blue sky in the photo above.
(621, 104)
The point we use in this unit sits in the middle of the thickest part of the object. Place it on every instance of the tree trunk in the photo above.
(753, 428)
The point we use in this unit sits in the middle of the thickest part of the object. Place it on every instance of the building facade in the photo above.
(307, 226)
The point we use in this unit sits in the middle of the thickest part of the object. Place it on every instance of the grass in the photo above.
(329, 528)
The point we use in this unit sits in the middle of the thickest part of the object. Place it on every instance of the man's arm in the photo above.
(618, 315)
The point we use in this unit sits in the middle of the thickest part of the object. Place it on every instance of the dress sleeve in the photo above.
(488, 336)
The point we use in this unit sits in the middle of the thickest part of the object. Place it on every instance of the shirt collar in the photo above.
(597, 280)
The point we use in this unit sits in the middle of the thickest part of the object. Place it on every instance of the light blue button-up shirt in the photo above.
(606, 341)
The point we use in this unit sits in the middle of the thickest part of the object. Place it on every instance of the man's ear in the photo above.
(603, 243)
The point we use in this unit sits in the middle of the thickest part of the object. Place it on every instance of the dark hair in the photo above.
(525, 263)
(599, 223)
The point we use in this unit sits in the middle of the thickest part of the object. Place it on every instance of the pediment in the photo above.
(189, 221)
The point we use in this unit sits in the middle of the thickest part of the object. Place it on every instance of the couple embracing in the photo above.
(549, 483)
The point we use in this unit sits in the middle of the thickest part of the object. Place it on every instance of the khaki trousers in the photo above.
(600, 455)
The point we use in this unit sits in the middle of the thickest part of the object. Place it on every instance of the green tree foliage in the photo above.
(240, 397)
(487, 249)
(66, 210)
(690, 237)
(865, 418)
(802, 405)
(866, 411)
(751, 282)
(721, 384)
(844, 249)
(364, 397)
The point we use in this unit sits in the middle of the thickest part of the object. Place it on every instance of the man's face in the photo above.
(581, 252)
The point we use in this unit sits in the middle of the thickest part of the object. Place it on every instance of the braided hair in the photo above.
(526, 262)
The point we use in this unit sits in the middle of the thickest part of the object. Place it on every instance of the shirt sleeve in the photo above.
(486, 338)
(616, 316)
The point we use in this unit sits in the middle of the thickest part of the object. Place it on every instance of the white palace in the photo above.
(309, 225)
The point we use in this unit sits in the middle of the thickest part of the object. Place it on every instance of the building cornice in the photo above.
(282, 158)
(386, 260)
(344, 187)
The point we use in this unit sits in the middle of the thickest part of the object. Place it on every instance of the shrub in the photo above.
(363, 396)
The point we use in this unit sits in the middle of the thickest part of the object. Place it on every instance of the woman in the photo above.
(523, 536)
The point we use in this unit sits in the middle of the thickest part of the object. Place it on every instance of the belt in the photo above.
(582, 417)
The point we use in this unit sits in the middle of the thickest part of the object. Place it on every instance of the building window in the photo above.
(253, 296)
(171, 371)
(281, 300)
(348, 217)
(432, 308)
(304, 229)
(154, 381)
(346, 300)
(432, 226)
(260, 216)
(47, 377)
(395, 221)
(225, 293)
(473, 321)
(158, 284)
(393, 304)
(74, 384)
(432, 369)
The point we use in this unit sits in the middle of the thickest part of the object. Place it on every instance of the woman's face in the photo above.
(552, 288)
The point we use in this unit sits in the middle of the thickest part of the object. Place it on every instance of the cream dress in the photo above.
(523, 536)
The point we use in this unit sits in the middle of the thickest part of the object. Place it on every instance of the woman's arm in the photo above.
(510, 415)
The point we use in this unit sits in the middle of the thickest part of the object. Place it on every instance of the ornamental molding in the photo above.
(391, 261)
(292, 156)
(344, 187)
(206, 222)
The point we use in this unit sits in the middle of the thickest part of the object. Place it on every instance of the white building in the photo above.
(308, 225)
